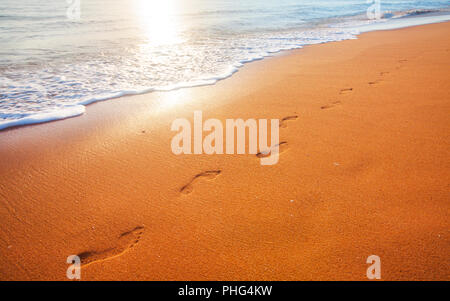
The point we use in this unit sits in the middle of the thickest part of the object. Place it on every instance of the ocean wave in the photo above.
(408, 13)
(59, 114)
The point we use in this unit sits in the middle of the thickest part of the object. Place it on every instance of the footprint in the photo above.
(208, 175)
(375, 82)
(401, 64)
(330, 105)
(344, 91)
(284, 121)
(125, 241)
(283, 146)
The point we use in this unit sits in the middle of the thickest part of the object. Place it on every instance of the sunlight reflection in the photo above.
(171, 99)
(159, 21)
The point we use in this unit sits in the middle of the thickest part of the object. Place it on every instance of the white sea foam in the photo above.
(61, 113)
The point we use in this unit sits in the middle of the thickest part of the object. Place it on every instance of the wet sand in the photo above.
(364, 170)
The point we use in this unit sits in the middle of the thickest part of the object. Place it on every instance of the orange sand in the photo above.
(367, 171)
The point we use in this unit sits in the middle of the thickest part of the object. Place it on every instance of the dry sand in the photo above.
(365, 170)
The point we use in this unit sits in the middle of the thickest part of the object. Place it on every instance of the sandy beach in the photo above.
(364, 170)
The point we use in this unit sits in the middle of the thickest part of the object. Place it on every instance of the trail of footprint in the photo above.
(345, 91)
(330, 105)
(125, 242)
(284, 121)
(342, 91)
(283, 146)
(208, 175)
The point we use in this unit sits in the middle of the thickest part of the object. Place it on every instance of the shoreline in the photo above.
(365, 172)
(80, 108)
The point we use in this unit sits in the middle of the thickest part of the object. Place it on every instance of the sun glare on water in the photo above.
(159, 21)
